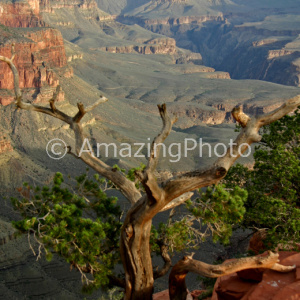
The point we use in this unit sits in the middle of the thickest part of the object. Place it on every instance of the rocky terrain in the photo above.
(38, 51)
(86, 48)
(249, 43)
(20, 13)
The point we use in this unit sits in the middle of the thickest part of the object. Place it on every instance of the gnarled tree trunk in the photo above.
(135, 233)
(137, 262)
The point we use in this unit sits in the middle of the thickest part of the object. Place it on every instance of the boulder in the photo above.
(247, 285)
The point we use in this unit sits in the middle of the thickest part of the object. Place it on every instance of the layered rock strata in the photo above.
(36, 58)
(20, 14)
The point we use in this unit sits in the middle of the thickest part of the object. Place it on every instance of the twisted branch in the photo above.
(177, 285)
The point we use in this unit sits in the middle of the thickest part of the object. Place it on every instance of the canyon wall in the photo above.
(169, 21)
(37, 56)
(50, 6)
(20, 14)
(156, 46)
(246, 52)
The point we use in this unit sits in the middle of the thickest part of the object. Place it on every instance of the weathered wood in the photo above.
(177, 285)
(135, 232)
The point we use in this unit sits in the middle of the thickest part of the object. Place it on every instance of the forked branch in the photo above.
(190, 181)
(147, 177)
(177, 285)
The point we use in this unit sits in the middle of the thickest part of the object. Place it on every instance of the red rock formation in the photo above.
(20, 14)
(35, 58)
(267, 285)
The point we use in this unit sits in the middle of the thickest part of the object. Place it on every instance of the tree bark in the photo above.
(137, 262)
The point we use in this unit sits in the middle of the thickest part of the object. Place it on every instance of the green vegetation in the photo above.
(83, 225)
(85, 233)
(273, 185)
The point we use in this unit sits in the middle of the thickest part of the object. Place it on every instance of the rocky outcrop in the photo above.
(221, 113)
(190, 57)
(36, 57)
(50, 6)
(245, 51)
(279, 53)
(20, 14)
(261, 284)
(75, 56)
(185, 20)
(170, 21)
(155, 46)
(198, 115)
(263, 42)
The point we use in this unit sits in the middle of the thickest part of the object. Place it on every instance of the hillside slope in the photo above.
(250, 40)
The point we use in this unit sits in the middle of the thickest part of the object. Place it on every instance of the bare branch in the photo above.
(15, 72)
(102, 99)
(82, 110)
(240, 116)
(280, 112)
(147, 176)
(168, 122)
(178, 201)
(190, 181)
(177, 286)
(167, 261)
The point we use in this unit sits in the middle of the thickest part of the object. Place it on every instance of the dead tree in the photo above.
(135, 232)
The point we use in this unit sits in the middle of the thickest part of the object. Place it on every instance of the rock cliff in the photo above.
(263, 45)
(51, 6)
(155, 46)
(169, 21)
(38, 53)
(20, 13)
